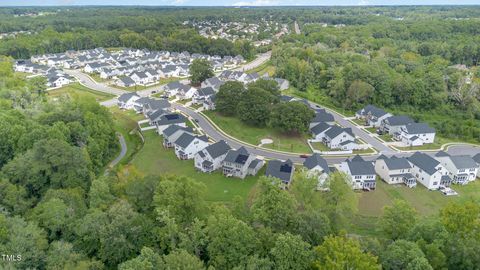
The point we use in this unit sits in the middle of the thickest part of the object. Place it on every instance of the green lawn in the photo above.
(311, 95)
(386, 137)
(97, 78)
(125, 122)
(196, 106)
(253, 135)
(266, 67)
(438, 142)
(371, 130)
(320, 146)
(184, 101)
(156, 160)
(75, 90)
(360, 122)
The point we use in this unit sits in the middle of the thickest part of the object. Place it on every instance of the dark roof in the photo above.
(317, 129)
(127, 96)
(399, 120)
(174, 85)
(169, 119)
(206, 91)
(416, 128)
(254, 163)
(173, 128)
(477, 158)
(156, 114)
(373, 110)
(336, 130)
(463, 162)
(395, 163)
(316, 160)
(156, 104)
(382, 156)
(360, 167)
(323, 116)
(442, 154)
(357, 158)
(186, 139)
(237, 156)
(424, 162)
(217, 149)
(127, 80)
(280, 169)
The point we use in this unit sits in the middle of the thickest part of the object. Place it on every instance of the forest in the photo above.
(61, 207)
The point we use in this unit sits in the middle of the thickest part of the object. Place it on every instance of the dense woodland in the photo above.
(404, 66)
(59, 210)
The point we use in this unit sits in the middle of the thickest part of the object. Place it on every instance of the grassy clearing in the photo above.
(359, 122)
(184, 101)
(156, 160)
(253, 135)
(372, 130)
(76, 90)
(266, 67)
(126, 124)
(321, 100)
(97, 78)
(386, 137)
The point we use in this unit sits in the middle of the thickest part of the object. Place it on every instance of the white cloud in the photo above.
(178, 2)
(255, 3)
(363, 2)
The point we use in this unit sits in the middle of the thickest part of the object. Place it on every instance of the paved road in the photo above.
(87, 81)
(123, 152)
(261, 58)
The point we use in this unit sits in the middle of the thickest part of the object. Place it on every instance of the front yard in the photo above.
(437, 144)
(253, 135)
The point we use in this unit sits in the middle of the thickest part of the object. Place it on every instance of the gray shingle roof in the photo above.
(156, 115)
(316, 160)
(320, 128)
(217, 149)
(323, 116)
(169, 119)
(417, 128)
(424, 162)
(186, 139)
(127, 96)
(235, 156)
(399, 120)
(463, 162)
(395, 163)
(373, 110)
(336, 130)
(477, 158)
(173, 128)
(361, 167)
(282, 170)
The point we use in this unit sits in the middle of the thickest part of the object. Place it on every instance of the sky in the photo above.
(235, 2)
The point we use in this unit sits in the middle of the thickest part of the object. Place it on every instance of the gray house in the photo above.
(210, 158)
(317, 166)
(171, 134)
(282, 170)
(239, 163)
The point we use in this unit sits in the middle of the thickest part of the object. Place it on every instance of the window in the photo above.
(435, 183)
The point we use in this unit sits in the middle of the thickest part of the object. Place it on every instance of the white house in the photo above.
(477, 159)
(187, 145)
(395, 170)
(282, 170)
(360, 173)
(462, 169)
(336, 137)
(372, 115)
(318, 131)
(58, 81)
(428, 171)
(239, 163)
(201, 94)
(317, 167)
(393, 124)
(127, 100)
(171, 134)
(125, 82)
(211, 157)
(415, 134)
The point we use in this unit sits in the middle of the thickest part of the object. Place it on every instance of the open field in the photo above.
(266, 67)
(156, 160)
(236, 128)
(76, 90)
(322, 100)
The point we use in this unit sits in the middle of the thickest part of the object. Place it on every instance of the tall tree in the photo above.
(291, 253)
(291, 117)
(228, 96)
(200, 70)
(397, 220)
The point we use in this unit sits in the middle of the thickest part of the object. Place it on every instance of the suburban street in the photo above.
(216, 135)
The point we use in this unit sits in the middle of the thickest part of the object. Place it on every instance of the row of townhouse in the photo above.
(402, 128)
(54, 77)
(433, 172)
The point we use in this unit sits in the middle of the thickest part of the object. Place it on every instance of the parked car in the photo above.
(304, 156)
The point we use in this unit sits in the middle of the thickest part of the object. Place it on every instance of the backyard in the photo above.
(253, 135)
(75, 90)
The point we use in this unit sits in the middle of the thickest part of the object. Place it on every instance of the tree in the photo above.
(419, 264)
(228, 96)
(181, 197)
(340, 203)
(147, 260)
(291, 253)
(181, 259)
(400, 254)
(231, 241)
(273, 207)
(313, 226)
(270, 86)
(200, 70)
(38, 84)
(340, 252)
(100, 195)
(61, 255)
(254, 106)
(461, 218)
(397, 220)
(359, 92)
(291, 117)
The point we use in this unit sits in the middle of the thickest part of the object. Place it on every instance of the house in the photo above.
(125, 82)
(395, 170)
(393, 124)
(141, 78)
(54, 80)
(209, 103)
(317, 167)
(428, 171)
(211, 157)
(335, 137)
(202, 94)
(462, 169)
(167, 120)
(171, 89)
(322, 116)
(213, 82)
(187, 145)
(282, 84)
(319, 130)
(127, 101)
(477, 159)
(171, 134)
(155, 116)
(372, 115)
(360, 173)
(138, 106)
(414, 134)
(152, 105)
(282, 170)
(239, 163)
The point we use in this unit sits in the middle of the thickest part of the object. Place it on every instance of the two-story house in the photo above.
(462, 169)
(360, 173)
(414, 134)
(239, 163)
(127, 101)
(187, 145)
(317, 167)
(282, 170)
(211, 157)
(395, 170)
(167, 120)
(372, 115)
(428, 171)
(335, 137)
(171, 134)
(392, 125)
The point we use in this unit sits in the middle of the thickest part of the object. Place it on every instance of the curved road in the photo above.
(216, 135)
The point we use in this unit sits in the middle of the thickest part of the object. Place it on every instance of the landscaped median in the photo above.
(253, 135)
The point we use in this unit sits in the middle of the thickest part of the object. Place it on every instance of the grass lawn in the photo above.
(97, 77)
(76, 90)
(236, 128)
(320, 146)
(386, 137)
(156, 160)
(319, 99)
(360, 122)
(437, 143)
(183, 101)
(266, 67)
(196, 106)
(363, 151)
(371, 130)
